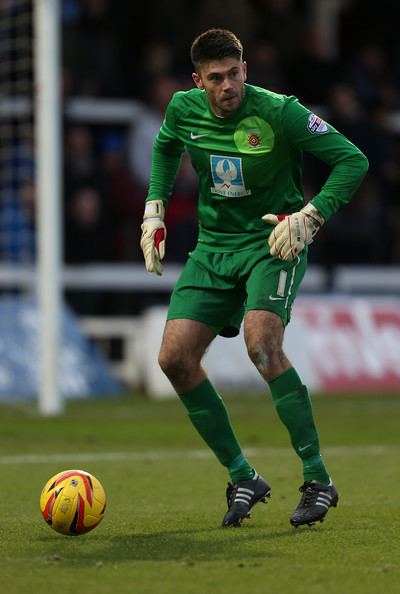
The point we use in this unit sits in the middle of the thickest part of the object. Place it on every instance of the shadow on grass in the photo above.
(186, 545)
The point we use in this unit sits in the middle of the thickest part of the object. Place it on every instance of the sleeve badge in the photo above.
(316, 125)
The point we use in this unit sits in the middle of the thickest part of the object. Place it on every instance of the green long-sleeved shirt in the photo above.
(250, 163)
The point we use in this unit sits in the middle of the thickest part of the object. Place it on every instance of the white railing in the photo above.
(133, 277)
(115, 111)
(127, 330)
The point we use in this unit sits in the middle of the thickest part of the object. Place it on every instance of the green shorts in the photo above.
(218, 288)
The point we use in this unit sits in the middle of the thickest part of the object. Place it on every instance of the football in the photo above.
(73, 502)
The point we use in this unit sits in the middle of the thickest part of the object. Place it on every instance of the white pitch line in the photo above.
(154, 456)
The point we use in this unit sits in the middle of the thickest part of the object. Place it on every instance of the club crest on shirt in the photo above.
(254, 140)
(254, 136)
(316, 125)
(227, 176)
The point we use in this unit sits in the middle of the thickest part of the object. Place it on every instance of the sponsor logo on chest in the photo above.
(227, 176)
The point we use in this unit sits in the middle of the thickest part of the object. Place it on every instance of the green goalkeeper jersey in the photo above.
(250, 163)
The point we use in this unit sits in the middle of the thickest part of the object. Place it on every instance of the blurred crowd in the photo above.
(348, 73)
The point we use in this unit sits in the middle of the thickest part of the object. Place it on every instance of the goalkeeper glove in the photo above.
(153, 237)
(292, 232)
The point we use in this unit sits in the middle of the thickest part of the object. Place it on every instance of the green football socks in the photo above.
(208, 414)
(294, 408)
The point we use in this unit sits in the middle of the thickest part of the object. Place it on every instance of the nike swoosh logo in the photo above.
(272, 298)
(301, 449)
(196, 136)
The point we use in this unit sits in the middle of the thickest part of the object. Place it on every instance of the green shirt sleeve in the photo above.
(309, 133)
(166, 158)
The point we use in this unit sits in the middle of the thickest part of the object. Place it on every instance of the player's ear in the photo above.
(244, 71)
(197, 81)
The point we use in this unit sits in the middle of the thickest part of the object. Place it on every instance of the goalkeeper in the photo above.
(246, 145)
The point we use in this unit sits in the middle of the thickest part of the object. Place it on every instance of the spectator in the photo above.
(80, 160)
(369, 74)
(156, 63)
(144, 131)
(312, 72)
(90, 50)
(266, 68)
(124, 196)
(86, 241)
(87, 230)
(17, 197)
(348, 115)
(17, 225)
(280, 23)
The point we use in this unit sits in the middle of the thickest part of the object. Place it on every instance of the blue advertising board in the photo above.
(84, 370)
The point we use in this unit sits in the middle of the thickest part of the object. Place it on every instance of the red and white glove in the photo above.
(153, 237)
(293, 232)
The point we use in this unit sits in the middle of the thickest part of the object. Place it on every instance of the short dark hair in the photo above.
(215, 44)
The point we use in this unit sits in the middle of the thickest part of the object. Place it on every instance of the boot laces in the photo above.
(231, 491)
(310, 494)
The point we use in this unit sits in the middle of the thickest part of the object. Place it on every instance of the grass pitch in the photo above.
(161, 532)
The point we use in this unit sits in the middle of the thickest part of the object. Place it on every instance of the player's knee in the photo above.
(267, 361)
(173, 364)
(260, 357)
(167, 362)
